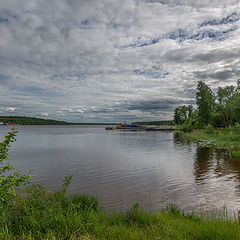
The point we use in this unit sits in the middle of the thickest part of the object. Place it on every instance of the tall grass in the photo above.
(41, 214)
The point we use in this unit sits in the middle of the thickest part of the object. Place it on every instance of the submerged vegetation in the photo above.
(216, 119)
(34, 212)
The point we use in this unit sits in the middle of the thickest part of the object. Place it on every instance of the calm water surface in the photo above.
(122, 168)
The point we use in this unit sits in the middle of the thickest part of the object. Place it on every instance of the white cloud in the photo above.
(10, 109)
(44, 114)
(97, 59)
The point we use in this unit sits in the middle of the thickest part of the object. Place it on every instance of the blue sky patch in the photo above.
(6, 16)
(151, 74)
(232, 18)
(3, 77)
(3, 20)
(85, 22)
(182, 35)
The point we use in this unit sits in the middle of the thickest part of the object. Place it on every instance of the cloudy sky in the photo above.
(109, 60)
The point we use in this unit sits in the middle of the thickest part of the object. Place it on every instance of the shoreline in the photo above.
(222, 138)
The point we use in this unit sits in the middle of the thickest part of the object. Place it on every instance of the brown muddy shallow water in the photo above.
(122, 168)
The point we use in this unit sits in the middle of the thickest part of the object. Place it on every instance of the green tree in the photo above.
(205, 101)
(223, 107)
(238, 86)
(235, 106)
(176, 116)
(190, 111)
(10, 179)
(182, 113)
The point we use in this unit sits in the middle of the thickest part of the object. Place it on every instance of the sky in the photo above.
(114, 61)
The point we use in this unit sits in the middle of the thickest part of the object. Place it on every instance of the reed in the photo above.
(41, 214)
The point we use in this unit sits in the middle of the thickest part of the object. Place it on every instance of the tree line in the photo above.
(220, 109)
(30, 121)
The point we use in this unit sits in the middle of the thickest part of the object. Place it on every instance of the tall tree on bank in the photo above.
(235, 103)
(224, 106)
(205, 101)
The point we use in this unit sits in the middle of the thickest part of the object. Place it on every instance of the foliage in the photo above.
(220, 110)
(228, 138)
(188, 126)
(217, 119)
(38, 213)
(42, 214)
(224, 108)
(9, 178)
(209, 128)
(182, 113)
(235, 105)
(205, 101)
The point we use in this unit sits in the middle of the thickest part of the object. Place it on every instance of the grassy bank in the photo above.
(228, 138)
(41, 214)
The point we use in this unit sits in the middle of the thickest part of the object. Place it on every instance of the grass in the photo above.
(40, 214)
(228, 138)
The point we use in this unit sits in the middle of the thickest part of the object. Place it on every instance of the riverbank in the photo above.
(41, 214)
(228, 138)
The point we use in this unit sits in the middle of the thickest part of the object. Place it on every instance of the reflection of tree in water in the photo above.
(180, 141)
(203, 162)
(217, 162)
(223, 162)
(226, 164)
(210, 161)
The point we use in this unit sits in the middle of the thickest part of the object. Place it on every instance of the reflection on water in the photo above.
(203, 162)
(216, 162)
(122, 168)
(210, 161)
(216, 175)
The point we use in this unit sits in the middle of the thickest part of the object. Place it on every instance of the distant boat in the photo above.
(2, 124)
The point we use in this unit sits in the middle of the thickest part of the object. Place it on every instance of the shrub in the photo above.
(188, 126)
(209, 128)
(10, 179)
(217, 119)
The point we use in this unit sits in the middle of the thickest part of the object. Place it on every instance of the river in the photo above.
(125, 167)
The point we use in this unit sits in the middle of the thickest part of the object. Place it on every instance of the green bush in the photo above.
(217, 119)
(10, 179)
(234, 128)
(40, 211)
(209, 128)
(189, 125)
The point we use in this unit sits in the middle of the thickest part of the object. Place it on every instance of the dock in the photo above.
(141, 128)
(160, 128)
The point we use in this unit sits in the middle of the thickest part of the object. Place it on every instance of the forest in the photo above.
(217, 110)
(30, 121)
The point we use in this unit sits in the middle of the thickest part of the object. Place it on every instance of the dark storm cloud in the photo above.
(217, 55)
(157, 105)
(219, 75)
